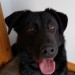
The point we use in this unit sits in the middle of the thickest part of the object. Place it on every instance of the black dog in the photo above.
(40, 41)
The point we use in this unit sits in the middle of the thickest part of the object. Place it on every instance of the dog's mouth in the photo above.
(47, 65)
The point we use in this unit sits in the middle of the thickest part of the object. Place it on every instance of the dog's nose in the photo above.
(48, 51)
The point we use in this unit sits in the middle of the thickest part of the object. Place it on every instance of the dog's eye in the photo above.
(30, 29)
(51, 27)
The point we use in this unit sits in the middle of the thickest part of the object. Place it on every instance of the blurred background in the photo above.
(65, 6)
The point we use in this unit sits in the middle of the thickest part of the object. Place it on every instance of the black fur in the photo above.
(37, 40)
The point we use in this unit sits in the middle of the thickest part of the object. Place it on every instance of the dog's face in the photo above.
(41, 34)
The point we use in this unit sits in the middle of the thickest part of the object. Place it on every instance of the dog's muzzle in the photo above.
(46, 59)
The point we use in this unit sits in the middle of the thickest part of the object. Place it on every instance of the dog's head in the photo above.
(40, 33)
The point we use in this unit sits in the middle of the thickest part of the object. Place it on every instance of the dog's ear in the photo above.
(61, 18)
(13, 20)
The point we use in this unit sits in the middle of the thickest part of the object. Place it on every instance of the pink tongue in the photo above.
(47, 66)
